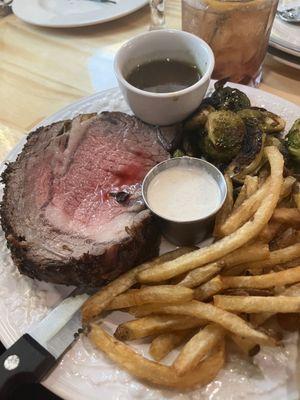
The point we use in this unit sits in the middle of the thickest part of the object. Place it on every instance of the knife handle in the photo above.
(26, 361)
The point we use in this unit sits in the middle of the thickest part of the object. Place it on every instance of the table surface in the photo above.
(43, 70)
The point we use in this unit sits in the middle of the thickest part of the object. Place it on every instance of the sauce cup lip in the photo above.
(211, 214)
(206, 76)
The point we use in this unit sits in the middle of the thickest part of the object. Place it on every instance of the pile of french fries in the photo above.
(200, 298)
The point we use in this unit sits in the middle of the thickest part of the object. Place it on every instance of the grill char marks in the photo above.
(72, 210)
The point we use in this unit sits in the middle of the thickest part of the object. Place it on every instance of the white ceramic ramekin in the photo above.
(164, 108)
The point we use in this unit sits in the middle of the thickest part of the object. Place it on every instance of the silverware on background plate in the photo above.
(290, 14)
(35, 353)
(104, 1)
(5, 7)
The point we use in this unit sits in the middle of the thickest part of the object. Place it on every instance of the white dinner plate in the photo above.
(85, 373)
(73, 13)
(286, 36)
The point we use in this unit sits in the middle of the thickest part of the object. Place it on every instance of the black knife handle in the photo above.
(26, 361)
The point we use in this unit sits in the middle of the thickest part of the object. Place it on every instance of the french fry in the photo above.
(289, 264)
(288, 216)
(248, 292)
(245, 211)
(163, 344)
(288, 203)
(245, 255)
(98, 302)
(151, 294)
(226, 208)
(245, 345)
(227, 320)
(199, 346)
(199, 275)
(254, 252)
(145, 309)
(250, 205)
(259, 319)
(230, 243)
(287, 187)
(154, 325)
(263, 175)
(256, 304)
(242, 196)
(285, 277)
(270, 231)
(249, 187)
(276, 257)
(209, 288)
(296, 194)
(152, 371)
(251, 183)
(287, 238)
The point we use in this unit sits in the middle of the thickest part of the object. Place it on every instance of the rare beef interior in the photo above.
(72, 209)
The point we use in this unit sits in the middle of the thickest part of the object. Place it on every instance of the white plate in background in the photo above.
(73, 13)
(284, 35)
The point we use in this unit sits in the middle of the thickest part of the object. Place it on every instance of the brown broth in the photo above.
(164, 76)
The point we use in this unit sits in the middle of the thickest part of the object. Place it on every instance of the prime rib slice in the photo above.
(72, 210)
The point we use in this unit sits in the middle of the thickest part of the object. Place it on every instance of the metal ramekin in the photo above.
(187, 232)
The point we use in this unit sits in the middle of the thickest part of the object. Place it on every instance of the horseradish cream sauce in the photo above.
(183, 193)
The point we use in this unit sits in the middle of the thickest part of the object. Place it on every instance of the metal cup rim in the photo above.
(196, 160)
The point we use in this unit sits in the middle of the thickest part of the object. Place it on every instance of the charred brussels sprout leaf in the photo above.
(227, 98)
(226, 131)
(250, 158)
(272, 123)
(269, 122)
(198, 119)
(293, 141)
(251, 115)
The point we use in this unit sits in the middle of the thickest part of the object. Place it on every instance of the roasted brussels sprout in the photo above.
(269, 122)
(178, 153)
(213, 154)
(190, 143)
(250, 158)
(198, 119)
(293, 141)
(226, 131)
(227, 98)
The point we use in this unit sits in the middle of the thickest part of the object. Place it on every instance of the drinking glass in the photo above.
(237, 31)
(157, 9)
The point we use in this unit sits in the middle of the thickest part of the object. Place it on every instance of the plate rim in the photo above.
(278, 45)
(16, 4)
(282, 44)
